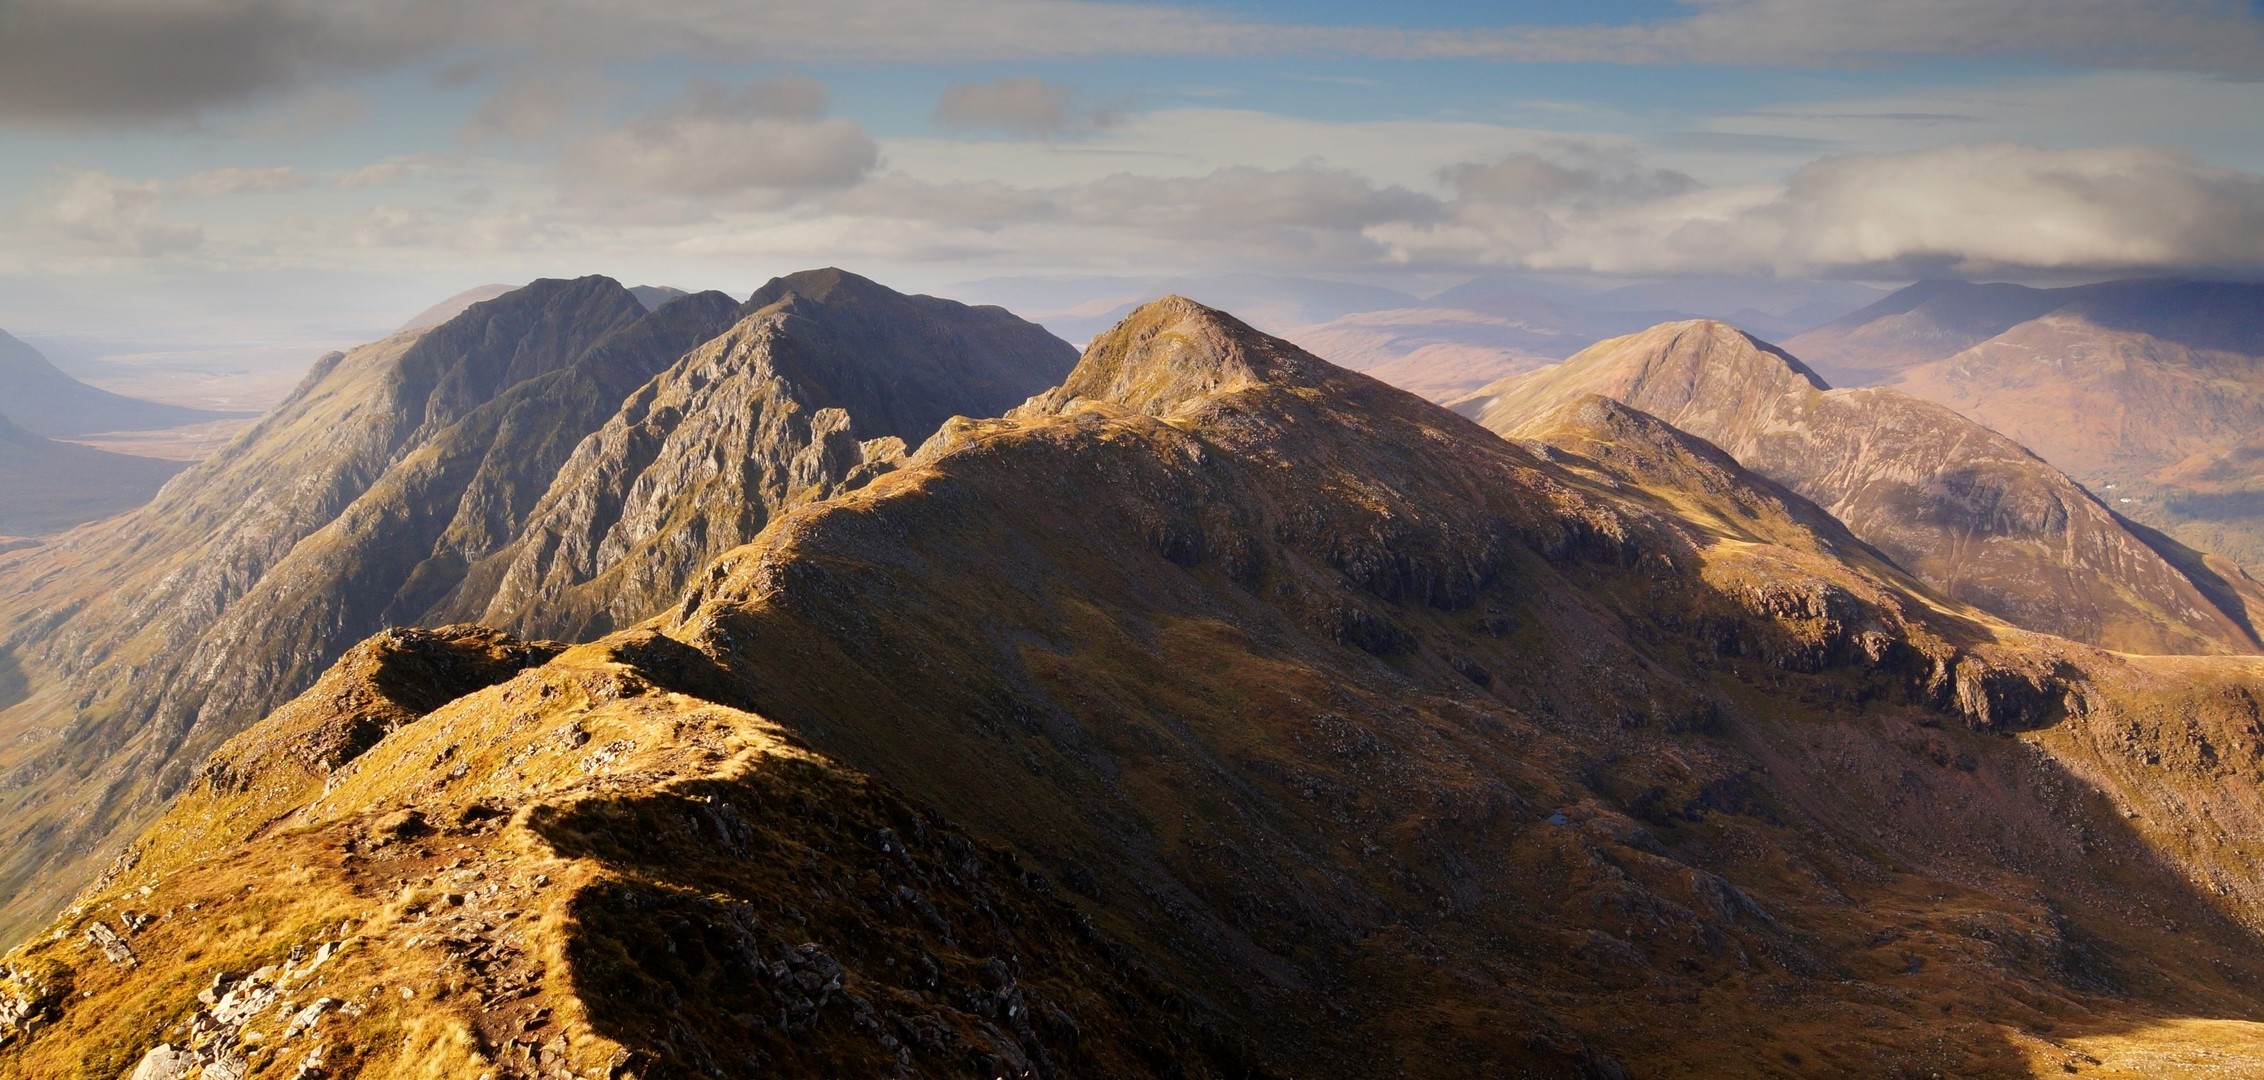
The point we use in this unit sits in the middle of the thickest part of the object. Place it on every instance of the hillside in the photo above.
(47, 486)
(1146, 731)
(1964, 509)
(408, 478)
(44, 400)
(2146, 391)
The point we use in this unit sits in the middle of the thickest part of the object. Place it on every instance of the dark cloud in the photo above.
(1028, 107)
(78, 62)
(120, 62)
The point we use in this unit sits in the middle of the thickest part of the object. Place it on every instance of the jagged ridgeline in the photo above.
(557, 460)
(1222, 713)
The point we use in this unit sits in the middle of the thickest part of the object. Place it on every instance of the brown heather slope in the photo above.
(2149, 392)
(402, 482)
(1964, 509)
(1352, 739)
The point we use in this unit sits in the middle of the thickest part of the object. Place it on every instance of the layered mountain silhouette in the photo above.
(1964, 509)
(42, 399)
(1218, 712)
(48, 486)
(2146, 391)
(530, 460)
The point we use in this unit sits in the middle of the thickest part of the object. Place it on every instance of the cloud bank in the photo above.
(118, 62)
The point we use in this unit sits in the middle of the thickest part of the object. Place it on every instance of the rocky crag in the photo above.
(1218, 713)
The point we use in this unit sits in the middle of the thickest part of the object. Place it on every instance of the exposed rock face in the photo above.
(1226, 714)
(1966, 510)
(47, 487)
(2146, 391)
(814, 392)
(561, 433)
(46, 401)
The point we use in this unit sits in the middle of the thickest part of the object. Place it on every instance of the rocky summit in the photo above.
(1218, 712)
(560, 458)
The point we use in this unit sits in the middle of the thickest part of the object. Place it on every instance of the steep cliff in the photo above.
(2146, 391)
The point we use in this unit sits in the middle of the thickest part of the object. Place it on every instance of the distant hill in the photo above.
(1962, 508)
(46, 401)
(2149, 392)
(47, 486)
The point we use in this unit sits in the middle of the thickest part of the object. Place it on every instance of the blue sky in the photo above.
(226, 169)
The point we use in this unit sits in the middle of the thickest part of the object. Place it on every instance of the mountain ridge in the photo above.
(1381, 743)
(416, 465)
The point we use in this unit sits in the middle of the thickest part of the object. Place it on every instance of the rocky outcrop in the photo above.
(816, 391)
(1967, 511)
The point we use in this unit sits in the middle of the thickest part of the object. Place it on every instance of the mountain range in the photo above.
(537, 447)
(933, 701)
(1966, 510)
(2148, 392)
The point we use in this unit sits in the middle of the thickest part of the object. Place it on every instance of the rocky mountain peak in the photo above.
(1707, 350)
(1171, 352)
(825, 285)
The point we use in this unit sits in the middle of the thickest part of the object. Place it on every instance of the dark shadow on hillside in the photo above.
(15, 686)
(2195, 566)
(799, 922)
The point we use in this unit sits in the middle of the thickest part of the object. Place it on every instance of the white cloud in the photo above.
(243, 181)
(377, 174)
(761, 144)
(1997, 208)
(98, 213)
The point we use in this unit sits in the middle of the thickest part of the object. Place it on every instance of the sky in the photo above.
(246, 171)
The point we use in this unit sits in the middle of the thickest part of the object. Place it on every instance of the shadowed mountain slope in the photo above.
(48, 486)
(1221, 713)
(44, 400)
(395, 474)
(1966, 510)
